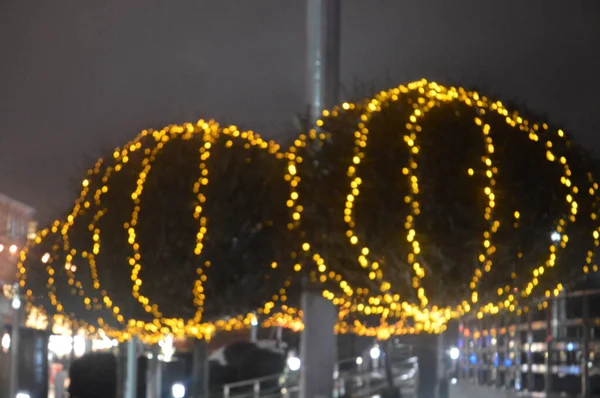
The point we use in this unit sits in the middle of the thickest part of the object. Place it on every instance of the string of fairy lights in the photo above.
(386, 303)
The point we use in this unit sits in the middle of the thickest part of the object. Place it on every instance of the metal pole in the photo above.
(13, 381)
(317, 344)
(495, 341)
(253, 333)
(518, 349)
(323, 55)
(481, 364)
(154, 375)
(132, 362)
(121, 357)
(470, 350)
(550, 334)
(200, 382)
(509, 337)
(463, 350)
(530, 376)
(585, 349)
(441, 368)
(279, 336)
(2, 359)
(72, 352)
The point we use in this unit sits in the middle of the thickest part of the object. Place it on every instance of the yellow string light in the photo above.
(385, 303)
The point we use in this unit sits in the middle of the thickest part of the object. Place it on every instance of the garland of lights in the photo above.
(387, 303)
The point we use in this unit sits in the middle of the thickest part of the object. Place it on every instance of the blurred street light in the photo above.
(178, 390)
(294, 363)
(375, 352)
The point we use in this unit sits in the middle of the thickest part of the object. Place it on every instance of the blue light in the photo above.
(508, 362)
(473, 359)
(570, 346)
(496, 360)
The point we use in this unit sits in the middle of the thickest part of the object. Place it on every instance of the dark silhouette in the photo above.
(93, 376)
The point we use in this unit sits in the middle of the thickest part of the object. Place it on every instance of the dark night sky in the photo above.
(79, 76)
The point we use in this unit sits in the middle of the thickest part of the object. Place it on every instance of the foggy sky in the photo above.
(78, 76)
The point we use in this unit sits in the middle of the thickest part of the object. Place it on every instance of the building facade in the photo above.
(16, 226)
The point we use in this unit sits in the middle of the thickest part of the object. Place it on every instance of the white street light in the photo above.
(454, 353)
(46, 258)
(178, 390)
(375, 352)
(359, 360)
(1, 248)
(16, 303)
(22, 394)
(555, 236)
(5, 342)
(12, 249)
(294, 363)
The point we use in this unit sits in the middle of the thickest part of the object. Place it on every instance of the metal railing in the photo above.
(359, 381)
(554, 349)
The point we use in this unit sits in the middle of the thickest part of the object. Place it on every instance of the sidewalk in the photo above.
(466, 390)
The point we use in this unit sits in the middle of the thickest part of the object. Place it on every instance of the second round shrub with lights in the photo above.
(421, 204)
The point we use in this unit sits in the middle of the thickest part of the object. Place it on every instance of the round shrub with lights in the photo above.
(410, 208)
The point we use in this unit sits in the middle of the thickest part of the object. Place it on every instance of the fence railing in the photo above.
(554, 348)
(356, 379)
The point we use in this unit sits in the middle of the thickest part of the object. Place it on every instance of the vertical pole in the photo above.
(530, 376)
(158, 382)
(2, 331)
(470, 349)
(509, 364)
(13, 381)
(4, 383)
(131, 374)
(462, 366)
(518, 350)
(254, 329)
(318, 349)
(256, 389)
(200, 370)
(323, 55)
(88, 344)
(154, 375)
(563, 316)
(495, 341)
(552, 320)
(482, 348)
(121, 356)
(478, 350)
(279, 335)
(72, 352)
(1, 328)
(585, 349)
(442, 377)
(317, 344)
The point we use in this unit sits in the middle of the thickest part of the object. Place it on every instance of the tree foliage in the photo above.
(530, 197)
(256, 231)
(244, 206)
